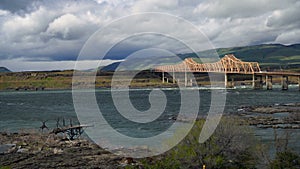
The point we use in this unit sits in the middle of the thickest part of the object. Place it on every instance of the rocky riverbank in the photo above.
(286, 116)
(41, 150)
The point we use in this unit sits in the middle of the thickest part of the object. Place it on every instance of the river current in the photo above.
(21, 110)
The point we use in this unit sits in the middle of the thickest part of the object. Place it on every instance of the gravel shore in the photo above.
(41, 150)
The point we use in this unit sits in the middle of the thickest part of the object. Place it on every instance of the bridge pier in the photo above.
(253, 81)
(225, 80)
(173, 76)
(228, 84)
(185, 81)
(258, 84)
(299, 82)
(163, 77)
(285, 82)
(232, 83)
(185, 76)
(269, 82)
(261, 85)
(182, 78)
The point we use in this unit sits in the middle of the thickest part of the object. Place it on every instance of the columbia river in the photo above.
(26, 110)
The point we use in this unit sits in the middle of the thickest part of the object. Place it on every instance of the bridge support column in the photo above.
(163, 77)
(232, 83)
(253, 81)
(173, 77)
(299, 82)
(269, 82)
(226, 80)
(258, 84)
(167, 80)
(191, 82)
(185, 77)
(285, 82)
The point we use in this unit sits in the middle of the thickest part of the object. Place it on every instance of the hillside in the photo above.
(4, 70)
(110, 67)
(274, 56)
(269, 56)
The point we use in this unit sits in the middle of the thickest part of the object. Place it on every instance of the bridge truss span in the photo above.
(228, 64)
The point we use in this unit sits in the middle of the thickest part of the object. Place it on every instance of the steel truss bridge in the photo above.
(229, 64)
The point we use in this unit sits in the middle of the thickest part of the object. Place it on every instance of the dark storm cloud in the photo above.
(57, 30)
(16, 5)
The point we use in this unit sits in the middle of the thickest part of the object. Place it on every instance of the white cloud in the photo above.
(239, 8)
(53, 31)
(69, 27)
(3, 12)
(57, 30)
(16, 28)
(285, 18)
(14, 64)
(154, 5)
(240, 32)
(289, 37)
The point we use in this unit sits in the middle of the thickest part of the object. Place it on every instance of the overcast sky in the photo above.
(48, 34)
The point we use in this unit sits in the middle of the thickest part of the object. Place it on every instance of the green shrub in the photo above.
(286, 160)
(5, 167)
(231, 146)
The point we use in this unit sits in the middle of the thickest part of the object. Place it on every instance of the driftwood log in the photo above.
(72, 132)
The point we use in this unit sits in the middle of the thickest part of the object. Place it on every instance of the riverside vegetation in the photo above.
(63, 80)
(53, 80)
(233, 145)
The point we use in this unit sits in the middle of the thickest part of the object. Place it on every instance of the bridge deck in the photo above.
(278, 73)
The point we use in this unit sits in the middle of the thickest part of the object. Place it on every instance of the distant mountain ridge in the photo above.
(4, 70)
(110, 67)
(275, 56)
(265, 54)
(268, 53)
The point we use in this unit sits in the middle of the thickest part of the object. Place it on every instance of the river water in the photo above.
(27, 109)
